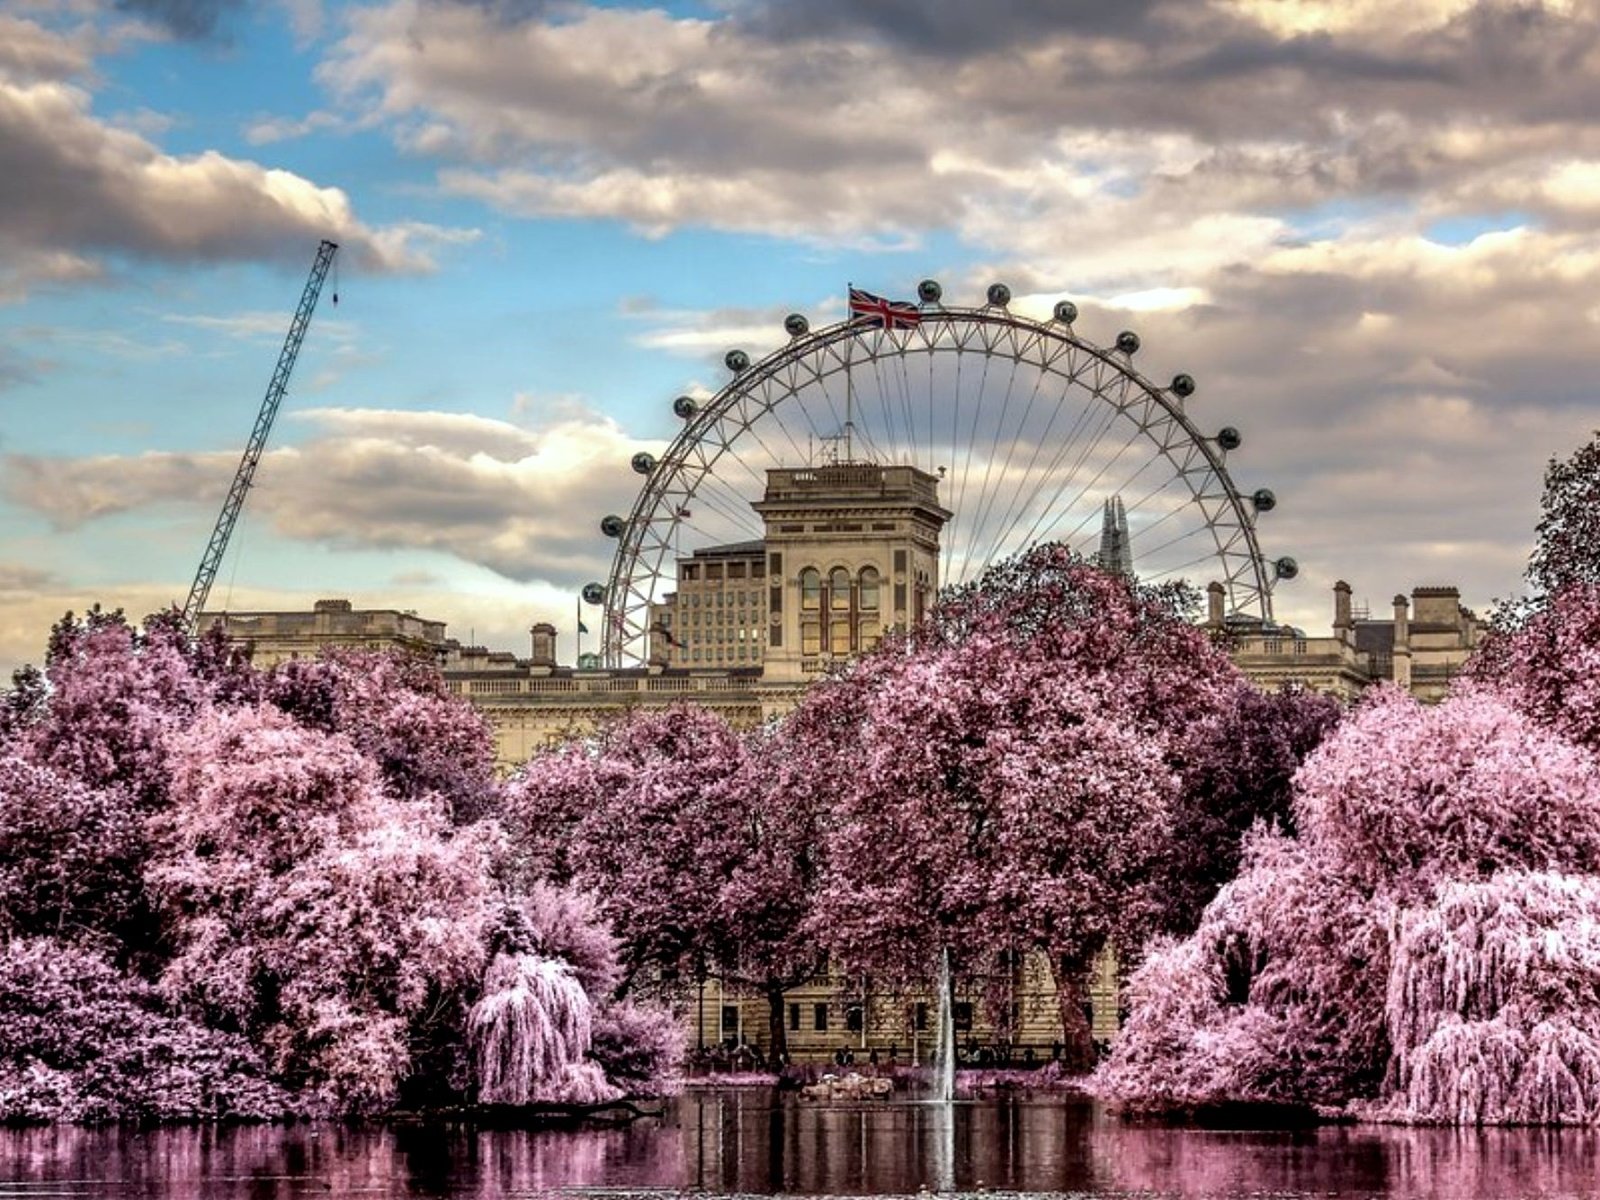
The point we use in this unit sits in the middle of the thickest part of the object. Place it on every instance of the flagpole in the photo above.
(577, 632)
(849, 399)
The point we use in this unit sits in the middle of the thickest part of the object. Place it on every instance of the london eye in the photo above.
(1030, 427)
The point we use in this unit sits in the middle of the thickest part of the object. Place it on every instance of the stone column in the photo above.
(1214, 601)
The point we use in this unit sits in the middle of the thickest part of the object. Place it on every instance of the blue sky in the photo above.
(1378, 255)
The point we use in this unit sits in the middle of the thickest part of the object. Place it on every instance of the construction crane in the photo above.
(218, 546)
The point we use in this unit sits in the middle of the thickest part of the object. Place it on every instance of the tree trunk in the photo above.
(1077, 1039)
(777, 1032)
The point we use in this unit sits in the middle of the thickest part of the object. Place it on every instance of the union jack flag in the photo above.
(885, 314)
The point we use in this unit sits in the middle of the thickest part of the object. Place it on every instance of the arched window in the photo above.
(810, 588)
(839, 586)
(869, 589)
(870, 633)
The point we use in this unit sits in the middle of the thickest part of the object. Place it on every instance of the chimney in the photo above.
(1401, 669)
(1214, 597)
(1343, 625)
(544, 644)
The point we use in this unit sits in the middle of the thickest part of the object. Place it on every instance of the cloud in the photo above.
(191, 20)
(482, 491)
(75, 188)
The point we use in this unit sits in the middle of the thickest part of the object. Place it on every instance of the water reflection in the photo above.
(753, 1142)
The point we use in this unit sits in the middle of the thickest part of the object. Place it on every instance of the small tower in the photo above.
(1116, 548)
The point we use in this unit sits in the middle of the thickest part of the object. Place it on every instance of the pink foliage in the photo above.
(308, 907)
(1426, 951)
(640, 1047)
(113, 697)
(395, 711)
(81, 1041)
(1549, 665)
(1407, 794)
(70, 855)
(531, 1033)
(1494, 1004)
(1002, 778)
(640, 821)
(564, 924)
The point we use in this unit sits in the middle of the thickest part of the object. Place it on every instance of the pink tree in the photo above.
(114, 694)
(1001, 778)
(309, 909)
(776, 812)
(81, 1040)
(1419, 953)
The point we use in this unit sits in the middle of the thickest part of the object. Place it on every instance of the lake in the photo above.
(758, 1143)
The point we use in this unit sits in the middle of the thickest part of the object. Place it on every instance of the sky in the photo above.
(1367, 229)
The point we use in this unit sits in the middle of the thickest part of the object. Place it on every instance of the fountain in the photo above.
(944, 1052)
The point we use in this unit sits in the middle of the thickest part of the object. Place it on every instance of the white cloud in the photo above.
(525, 504)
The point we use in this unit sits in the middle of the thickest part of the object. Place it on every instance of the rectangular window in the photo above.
(810, 638)
(853, 1018)
(735, 570)
(794, 1016)
(922, 1018)
(961, 1010)
(775, 563)
(730, 1020)
(819, 1017)
(713, 571)
(900, 562)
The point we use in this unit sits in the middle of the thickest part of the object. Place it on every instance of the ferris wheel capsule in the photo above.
(736, 361)
(1229, 438)
(1264, 499)
(643, 463)
(1128, 342)
(1183, 385)
(1285, 568)
(685, 407)
(795, 325)
(612, 525)
(1065, 311)
(929, 291)
(999, 295)
(594, 593)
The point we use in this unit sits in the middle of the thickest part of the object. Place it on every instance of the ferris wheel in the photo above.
(1030, 428)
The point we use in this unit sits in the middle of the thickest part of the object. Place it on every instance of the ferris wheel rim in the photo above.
(626, 605)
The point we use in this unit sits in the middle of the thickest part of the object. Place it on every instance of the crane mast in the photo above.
(232, 506)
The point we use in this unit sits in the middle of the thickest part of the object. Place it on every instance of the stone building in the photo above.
(331, 624)
(1421, 647)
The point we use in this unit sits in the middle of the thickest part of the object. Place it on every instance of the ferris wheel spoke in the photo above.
(1022, 501)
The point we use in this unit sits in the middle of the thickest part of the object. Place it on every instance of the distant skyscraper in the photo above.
(1116, 548)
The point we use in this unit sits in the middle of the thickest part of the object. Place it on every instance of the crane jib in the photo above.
(218, 545)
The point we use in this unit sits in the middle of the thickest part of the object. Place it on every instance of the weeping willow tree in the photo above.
(531, 1033)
